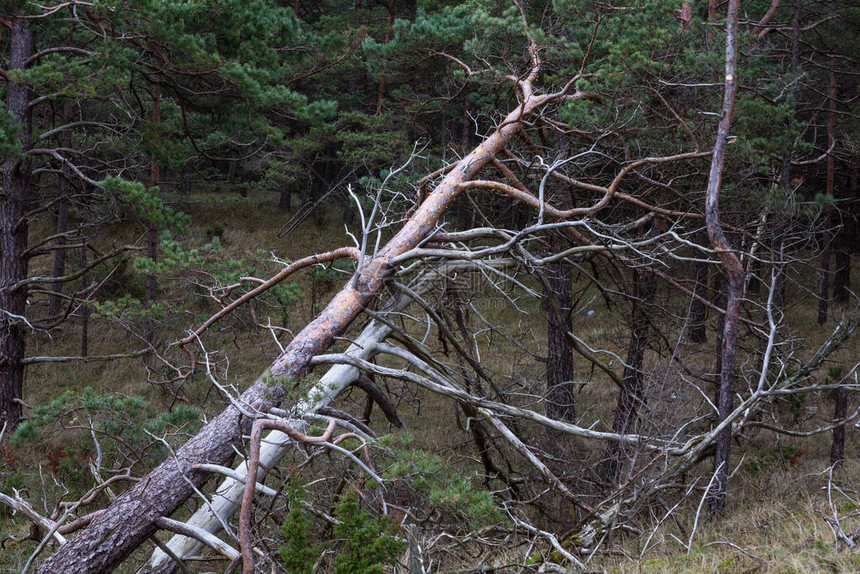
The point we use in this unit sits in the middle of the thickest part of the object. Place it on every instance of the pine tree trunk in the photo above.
(85, 309)
(846, 239)
(151, 287)
(726, 394)
(559, 362)
(824, 280)
(782, 219)
(731, 265)
(17, 192)
(698, 311)
(382, 87)
(64, 190)
(285, 200)
(824, 287)
(632, 382)
(840, 410)
(56, 301)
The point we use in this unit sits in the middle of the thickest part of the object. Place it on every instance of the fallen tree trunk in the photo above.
(131, 519)
(228, 496)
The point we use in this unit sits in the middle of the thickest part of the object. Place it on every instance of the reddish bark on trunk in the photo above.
(731, 266)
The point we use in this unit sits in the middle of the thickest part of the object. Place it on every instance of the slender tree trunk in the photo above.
(781, 220)
(85, 308)
(56, 301)
(721, 299)
(698, 311)
(731, 265)
(17, 192)
(382, 87)
(840, 410)
(559, 362)
(151, 287)
(632, 382)
(64, 190)
(824, 280)
(187, 172)
(285, 200)
(824, 288)
(847, 237)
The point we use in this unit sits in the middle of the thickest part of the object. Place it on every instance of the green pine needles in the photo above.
(362, 543)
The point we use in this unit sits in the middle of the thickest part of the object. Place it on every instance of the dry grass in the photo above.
(774, 525)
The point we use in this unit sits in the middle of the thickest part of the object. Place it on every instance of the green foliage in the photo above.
(129, 308)
(766, 458)
(370, 140)
(363, 544)
(298, 555)
(123, 425)
(10, 143)
(366, 543)
(145, 203)
(11, 482)
(445, 488)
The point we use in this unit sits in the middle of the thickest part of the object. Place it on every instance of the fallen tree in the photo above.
(227, 497)
(132, 518)
(584, 213)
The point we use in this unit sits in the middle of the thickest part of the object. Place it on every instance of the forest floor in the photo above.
(781, 494)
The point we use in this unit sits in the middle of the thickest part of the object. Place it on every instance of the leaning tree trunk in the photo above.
(632, 382)
(17, 191)
(731, 265)
(130, 520)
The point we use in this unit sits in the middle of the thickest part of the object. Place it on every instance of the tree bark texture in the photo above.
(560, 402)
(840, 410)
(632, 382)
(731, 266)
(16, 193)
(130, 520)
